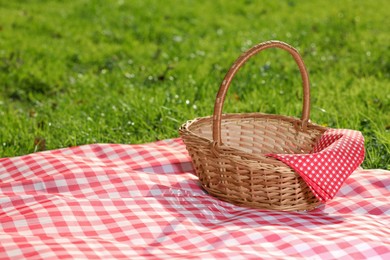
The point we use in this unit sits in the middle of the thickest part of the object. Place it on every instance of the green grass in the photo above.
(121, 71)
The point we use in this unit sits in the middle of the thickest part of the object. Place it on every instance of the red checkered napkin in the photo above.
(337, 154)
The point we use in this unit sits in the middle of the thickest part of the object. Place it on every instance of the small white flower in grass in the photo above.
(177, 38)
(219, 31)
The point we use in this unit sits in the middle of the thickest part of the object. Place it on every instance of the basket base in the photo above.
(272, 205)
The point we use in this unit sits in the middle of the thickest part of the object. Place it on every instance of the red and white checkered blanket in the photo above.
(105, 201)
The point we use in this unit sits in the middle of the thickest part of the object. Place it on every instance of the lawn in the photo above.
(79, 72)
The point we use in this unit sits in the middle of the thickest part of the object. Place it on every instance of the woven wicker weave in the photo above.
(228, 151)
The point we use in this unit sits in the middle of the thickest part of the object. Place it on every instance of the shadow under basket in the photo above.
(229, 151)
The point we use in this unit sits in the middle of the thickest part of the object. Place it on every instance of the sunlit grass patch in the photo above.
(81, 72)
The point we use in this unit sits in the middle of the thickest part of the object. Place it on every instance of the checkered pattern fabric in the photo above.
(337, 154)
(106, 201)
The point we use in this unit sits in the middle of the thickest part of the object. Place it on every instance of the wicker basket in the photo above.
(229, 151)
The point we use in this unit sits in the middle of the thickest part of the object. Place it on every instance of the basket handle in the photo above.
(220, 99)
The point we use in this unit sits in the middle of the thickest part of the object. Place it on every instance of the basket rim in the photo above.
(186, 128)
